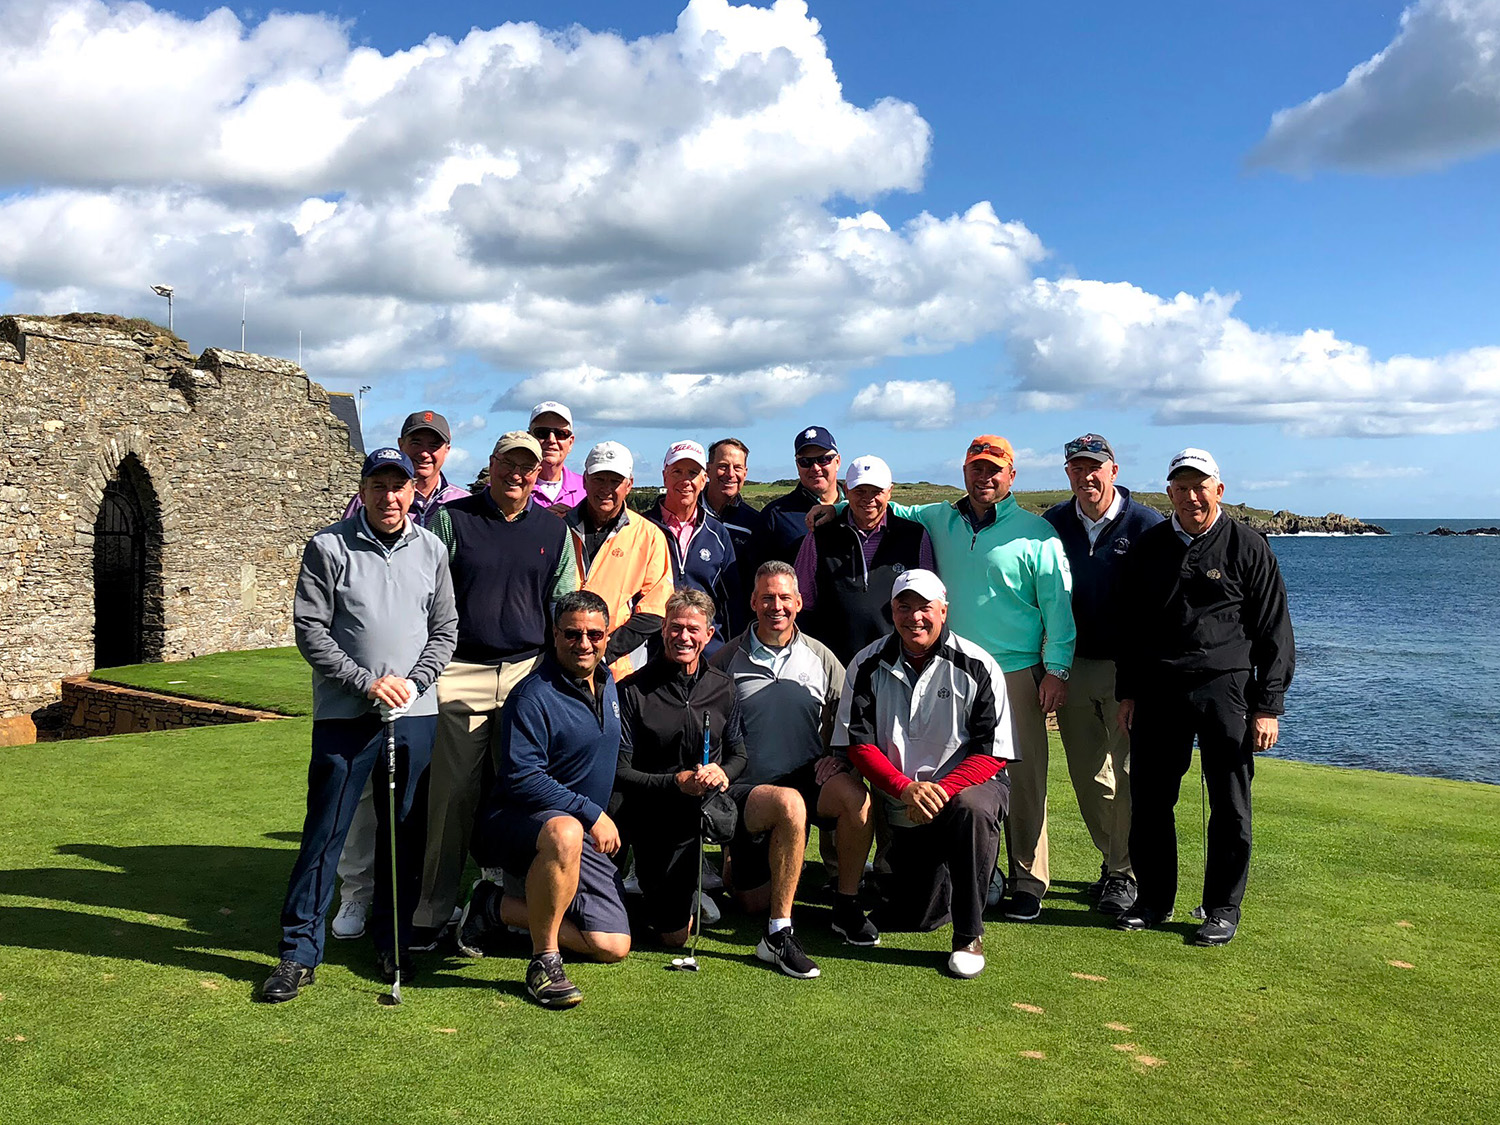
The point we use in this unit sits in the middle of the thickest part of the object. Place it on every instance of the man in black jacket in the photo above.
(664, 774)
(1097, 527)
(1205, 649)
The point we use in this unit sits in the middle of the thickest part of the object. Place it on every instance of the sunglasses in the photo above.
(576, 635)
(986, 447)
(1086, 445)
(809, 462)
(542, 433)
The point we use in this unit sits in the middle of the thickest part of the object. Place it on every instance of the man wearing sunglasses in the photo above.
(1097, 528)
(783, 520)
(511, 563)
(552, 426)
(545, 823)
(1009, 592)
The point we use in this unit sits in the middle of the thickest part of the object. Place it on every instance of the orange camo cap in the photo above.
(990, 447)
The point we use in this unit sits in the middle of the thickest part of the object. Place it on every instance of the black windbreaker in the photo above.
(1191, 612)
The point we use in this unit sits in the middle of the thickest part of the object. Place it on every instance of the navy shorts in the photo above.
(598, 906)
(750, 853)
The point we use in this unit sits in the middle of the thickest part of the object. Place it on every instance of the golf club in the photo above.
(689, 963)
(390, 768)
(1201, 912)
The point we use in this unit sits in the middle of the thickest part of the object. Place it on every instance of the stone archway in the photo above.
(128, 607)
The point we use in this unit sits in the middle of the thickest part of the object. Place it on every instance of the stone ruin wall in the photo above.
(243, 454)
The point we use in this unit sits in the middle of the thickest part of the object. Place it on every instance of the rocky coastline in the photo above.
(1290, 523)
(1470, 531)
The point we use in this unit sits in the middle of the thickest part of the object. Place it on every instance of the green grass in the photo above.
(271, 679)
(141, 878)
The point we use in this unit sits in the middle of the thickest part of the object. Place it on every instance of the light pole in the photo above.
(165, 291)
(359, 403)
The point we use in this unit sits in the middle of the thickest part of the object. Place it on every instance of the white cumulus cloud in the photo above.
(925, 404)
(1431, 97)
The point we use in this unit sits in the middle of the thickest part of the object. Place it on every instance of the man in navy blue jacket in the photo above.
(1097, 527)
(544, 822)
(703, 554)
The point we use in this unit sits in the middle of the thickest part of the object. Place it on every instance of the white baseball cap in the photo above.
(684, 450)
(551, 408)
(922, 582)
(1199, 459)
(868, 470)
(609, 457)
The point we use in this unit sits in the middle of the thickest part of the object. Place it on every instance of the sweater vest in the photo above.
(853, 604)
(502, 579)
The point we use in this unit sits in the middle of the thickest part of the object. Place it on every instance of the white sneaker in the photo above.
(711, 913)
(967, 962)
(712, 880)
(349, 922)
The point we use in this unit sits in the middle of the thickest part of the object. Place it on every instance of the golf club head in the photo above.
(396, 989)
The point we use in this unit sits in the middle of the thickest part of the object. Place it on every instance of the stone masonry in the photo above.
(236, 459)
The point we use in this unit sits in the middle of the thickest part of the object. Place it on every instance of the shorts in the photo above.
(666, 863)
(750, 853)
(598, 905)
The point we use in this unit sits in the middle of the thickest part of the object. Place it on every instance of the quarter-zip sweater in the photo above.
(558, 744)
(1008, 581)
(784, 525)
(708, 565)
(1191, 611)
(1096, 566)
(661, 733)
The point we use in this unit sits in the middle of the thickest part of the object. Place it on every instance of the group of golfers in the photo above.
(577, 695)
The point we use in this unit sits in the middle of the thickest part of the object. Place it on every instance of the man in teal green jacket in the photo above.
(1010, 592)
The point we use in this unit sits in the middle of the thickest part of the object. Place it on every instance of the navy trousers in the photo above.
(344, 754)
(1161, 750)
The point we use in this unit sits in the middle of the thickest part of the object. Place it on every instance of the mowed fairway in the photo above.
(141, 879)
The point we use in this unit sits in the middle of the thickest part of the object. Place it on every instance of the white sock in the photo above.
(776, 925)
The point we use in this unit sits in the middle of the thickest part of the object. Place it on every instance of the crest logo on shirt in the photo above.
(618, 552)
(705, 554)
(898, 568)
(1214, 574)
(1121, 546)
(944, 693)
(615, 704)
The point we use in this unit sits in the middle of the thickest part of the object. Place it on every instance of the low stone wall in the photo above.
(94, 709)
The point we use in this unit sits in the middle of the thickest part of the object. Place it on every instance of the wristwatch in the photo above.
(1060, 673)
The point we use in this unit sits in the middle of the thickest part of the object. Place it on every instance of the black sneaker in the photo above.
(289, 978)
(1096, 888)
(1140, 917)
(1215, 931)
(1118, 897)
(385, 961)
(424, 939)
(783, 950)
(481, 918)
(1023, 906)
(850, 923)
(548, 984)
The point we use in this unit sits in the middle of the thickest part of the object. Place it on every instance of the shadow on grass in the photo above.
(229, 897)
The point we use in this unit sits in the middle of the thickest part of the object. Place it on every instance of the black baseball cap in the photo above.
(814, 435)
(427, 420)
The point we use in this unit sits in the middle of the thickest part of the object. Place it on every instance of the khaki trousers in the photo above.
(468, 731)
(1098, 760)
(1026, 826)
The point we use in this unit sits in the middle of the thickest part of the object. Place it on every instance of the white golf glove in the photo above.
(389, 713)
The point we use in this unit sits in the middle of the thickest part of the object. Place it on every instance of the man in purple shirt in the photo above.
(552, 426)
(847, 567)
(426, 440)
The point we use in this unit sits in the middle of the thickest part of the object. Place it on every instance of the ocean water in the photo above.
(1398, 650)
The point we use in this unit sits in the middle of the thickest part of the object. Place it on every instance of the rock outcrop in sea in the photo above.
(1289, 523)
(1470, 531)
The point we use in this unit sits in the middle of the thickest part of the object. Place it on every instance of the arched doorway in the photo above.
(127, 570)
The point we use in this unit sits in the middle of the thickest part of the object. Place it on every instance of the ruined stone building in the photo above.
(153, 505)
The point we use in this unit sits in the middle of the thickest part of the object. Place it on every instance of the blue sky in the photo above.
(1133, 148)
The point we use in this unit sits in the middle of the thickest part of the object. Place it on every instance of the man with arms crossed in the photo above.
(425, 439)
(510, 563)
(788, 686)
(544, 822)
(374, 617)
(924, 717)
(1097, 527)
(1205, 649)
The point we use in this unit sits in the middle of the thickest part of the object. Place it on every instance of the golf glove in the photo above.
(389, 713)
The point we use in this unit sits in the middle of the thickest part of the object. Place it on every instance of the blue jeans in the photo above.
(344, 754)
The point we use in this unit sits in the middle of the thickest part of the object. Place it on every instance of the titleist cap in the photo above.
(684, 451)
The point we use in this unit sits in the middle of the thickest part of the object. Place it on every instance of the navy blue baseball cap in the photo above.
(387, 458)
(814, 435)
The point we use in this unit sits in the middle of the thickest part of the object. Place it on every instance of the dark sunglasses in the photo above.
(809, 462)
(576, 635)
(542, 433)
(986, 447)
(1087, 445)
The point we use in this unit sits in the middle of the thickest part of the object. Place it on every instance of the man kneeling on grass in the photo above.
(925, 717)
(544, 823)
(663, 778)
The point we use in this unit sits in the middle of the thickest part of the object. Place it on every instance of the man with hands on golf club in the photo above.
(374, 616)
